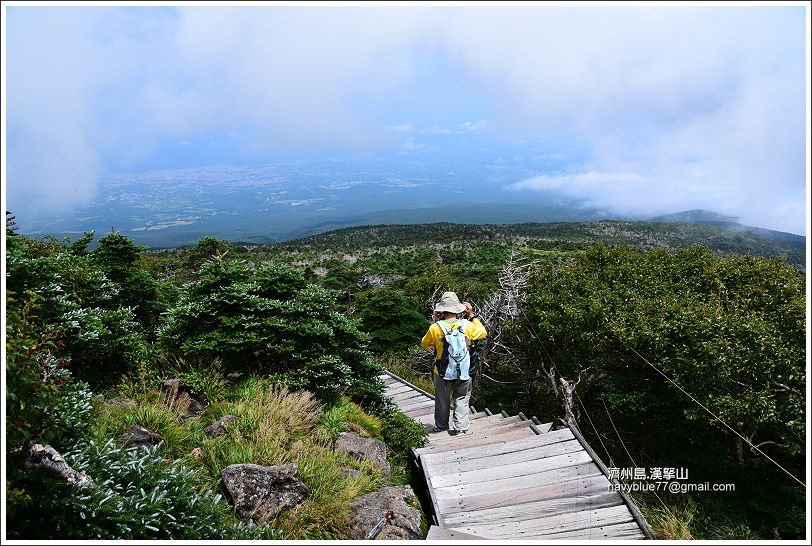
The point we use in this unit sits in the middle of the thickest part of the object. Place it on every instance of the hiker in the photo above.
(451, 339)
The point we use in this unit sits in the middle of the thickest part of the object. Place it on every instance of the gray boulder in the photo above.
(262, 492)
(138, 436)
(365, 449)
(369, 509)
(120, 402)
(218, 428)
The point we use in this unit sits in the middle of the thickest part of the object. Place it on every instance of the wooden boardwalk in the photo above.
(515, 478)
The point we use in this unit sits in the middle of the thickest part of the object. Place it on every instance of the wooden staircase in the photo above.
(515, 478)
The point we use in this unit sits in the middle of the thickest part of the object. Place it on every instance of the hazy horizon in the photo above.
(630, 111)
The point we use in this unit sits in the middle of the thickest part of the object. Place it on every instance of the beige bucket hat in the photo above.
(449, 302)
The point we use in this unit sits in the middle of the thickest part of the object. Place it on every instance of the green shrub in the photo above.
(731, 331)
(77, 301)
(43, 402)
(400, 433)
(391, 320)
(135, 496)
(268, 319)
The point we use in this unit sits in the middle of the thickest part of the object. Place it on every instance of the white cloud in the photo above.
(475, 126)
(411, 145)
(405, 128)
(437, 130)
(704, 104)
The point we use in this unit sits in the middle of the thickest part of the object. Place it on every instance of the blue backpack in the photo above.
(456, 359)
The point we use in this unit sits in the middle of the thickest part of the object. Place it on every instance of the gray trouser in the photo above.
(443, 391)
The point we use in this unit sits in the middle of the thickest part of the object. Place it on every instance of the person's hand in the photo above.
(468, 309)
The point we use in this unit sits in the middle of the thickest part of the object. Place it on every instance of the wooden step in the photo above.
(577, 467)
(525, 490)
(522, 468)
(478, 440)
(444, 533)
(533, 510)
(472, 453)
(540, 527)
(405, 404)
(539, 453)
(482, 432)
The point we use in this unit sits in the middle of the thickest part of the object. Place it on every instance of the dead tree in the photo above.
(37, 456)
(505, 304)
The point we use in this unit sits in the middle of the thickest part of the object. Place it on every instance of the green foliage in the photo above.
(390, 319)
(206, 249)
(11, 224)
(203, 377)
(41, 400)
(269, 319)
(119, 258)
(729, 331)
(79, 302)
(401, 433)
(135, 496)
(340, 276)
(341, 415)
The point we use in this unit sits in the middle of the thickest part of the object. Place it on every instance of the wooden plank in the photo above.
(524, 492)
(438, 518)
(609, 532)
(407, 395)
(490, 431)
(404, 405)
(511, 470)
(529, 442)
(418, 406)
(520, 455)
(423, 410)
(492, 422)
(572, 521)
(414, 402)
(477, 440)
(444, 533)
(542, 477)
(534, 510)
(415, 387)
(404, 400)
(478, 428)
(635, 511)
(397, 388)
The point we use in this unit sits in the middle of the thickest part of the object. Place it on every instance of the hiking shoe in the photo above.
(438, 429)
(465, 432)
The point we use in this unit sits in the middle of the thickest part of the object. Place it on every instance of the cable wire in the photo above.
(734, 431)
(609, 455)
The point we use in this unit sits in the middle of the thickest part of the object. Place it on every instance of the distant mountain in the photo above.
(721, 237)
(700, 216)
(695, 216)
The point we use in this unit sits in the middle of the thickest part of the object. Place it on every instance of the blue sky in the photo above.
(648, 109)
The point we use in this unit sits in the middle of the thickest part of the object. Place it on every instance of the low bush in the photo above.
(135, 496)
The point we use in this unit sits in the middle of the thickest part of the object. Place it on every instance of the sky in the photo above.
(648, 109)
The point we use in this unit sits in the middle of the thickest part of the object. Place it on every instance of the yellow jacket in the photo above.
(433, 338)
